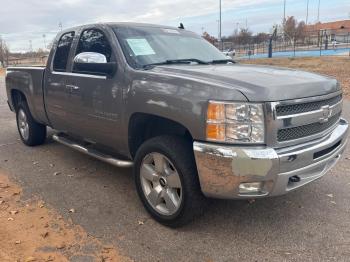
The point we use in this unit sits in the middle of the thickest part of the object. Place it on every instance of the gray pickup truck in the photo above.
(191, 122)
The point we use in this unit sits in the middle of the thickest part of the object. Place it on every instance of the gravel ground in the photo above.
(310, 224)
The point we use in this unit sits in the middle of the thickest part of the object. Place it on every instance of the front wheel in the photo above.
(167, 181)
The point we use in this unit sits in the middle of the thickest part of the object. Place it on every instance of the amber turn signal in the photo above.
(216, 112)
(216, 132)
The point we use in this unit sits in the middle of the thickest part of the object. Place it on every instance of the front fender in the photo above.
(181, 100)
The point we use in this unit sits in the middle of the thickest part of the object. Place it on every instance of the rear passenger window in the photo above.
(93, 40)
(62, 52)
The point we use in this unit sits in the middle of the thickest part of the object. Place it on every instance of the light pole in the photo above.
(220, 27)
(30, 46)
(307, 12)
(44, 37)
(318, 11)
(284, 12)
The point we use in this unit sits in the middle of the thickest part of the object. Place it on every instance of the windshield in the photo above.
(144, 46)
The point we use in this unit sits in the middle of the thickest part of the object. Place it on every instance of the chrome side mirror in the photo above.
(93, 63)
(90, 58)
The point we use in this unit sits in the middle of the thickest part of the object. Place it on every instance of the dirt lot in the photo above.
(2, 72)
(29, 231)
(338, 67)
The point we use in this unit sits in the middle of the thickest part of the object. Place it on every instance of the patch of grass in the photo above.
(338, 67)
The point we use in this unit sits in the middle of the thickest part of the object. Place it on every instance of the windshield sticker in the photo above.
(140, 46)
(171, 31)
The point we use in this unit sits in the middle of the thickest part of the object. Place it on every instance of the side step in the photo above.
(91, 152)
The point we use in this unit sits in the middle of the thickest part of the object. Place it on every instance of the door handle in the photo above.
(72, 87)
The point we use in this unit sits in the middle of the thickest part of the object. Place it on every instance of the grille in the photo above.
(284, 110)
(306, 130)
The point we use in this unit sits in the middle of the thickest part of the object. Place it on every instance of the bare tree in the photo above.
(209, 38)
(4, 53)
(244, 36)
(301, 31)
(261, 38)
(294, 30)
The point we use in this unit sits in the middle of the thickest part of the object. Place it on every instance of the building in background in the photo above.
(334, 31)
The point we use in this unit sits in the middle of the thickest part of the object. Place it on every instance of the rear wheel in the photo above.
(167, 181)
(31, 132)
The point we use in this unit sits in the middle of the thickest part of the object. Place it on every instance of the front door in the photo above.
(94, 101)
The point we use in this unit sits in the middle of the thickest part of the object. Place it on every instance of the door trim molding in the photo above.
(79, 75)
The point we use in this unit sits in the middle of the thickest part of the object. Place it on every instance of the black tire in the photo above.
(180, 153)
(36, 131)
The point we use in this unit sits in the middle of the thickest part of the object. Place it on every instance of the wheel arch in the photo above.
(16, 97)
(143, 126)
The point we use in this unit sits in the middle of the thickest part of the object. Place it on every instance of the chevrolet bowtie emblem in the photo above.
(326, 114)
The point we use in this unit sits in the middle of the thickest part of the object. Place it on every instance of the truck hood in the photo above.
(257, 83)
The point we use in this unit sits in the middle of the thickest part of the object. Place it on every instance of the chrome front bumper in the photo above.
(223, 168)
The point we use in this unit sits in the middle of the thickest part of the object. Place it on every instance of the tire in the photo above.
(31, 132)
(185, 203)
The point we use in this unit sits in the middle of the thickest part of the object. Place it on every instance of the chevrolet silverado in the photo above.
(192, 123)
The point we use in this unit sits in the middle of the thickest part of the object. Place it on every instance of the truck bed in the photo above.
(29, 81)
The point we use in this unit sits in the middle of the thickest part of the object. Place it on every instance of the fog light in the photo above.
(249, 188)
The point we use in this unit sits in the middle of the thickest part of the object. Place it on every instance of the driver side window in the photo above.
(93, 40)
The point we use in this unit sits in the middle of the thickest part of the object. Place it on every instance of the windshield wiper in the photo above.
(178, 61)
(222, 61)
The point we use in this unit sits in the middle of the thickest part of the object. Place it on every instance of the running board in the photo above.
(91, 152)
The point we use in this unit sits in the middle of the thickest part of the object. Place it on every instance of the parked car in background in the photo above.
(230, 52)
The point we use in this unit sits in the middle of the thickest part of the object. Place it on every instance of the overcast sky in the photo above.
(22, 21)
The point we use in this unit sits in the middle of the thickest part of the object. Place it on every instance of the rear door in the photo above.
(55, 89)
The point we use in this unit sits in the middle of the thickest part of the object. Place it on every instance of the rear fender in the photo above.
(27, 81)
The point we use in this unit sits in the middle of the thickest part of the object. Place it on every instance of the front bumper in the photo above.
(223, 168)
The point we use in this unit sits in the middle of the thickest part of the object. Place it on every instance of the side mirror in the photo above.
(90, 58)
(93, 63)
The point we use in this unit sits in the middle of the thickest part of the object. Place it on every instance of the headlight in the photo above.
(235, 122)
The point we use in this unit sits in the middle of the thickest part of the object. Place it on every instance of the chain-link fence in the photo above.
(312, 43)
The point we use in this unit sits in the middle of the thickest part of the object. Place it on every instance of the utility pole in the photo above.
(307, 12)
(30, 46)
(284, 19)
(31, 54)
(44, 37)
(318, 11)
(220, 28)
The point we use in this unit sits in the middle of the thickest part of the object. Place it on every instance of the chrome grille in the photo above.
(306, 130)
(298, 121)
(284, 110)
